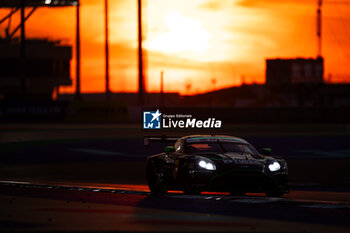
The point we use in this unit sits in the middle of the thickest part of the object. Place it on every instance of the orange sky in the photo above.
(197, 41)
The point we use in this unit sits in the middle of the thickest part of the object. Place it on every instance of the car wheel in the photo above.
(274, 194)
(156, 180)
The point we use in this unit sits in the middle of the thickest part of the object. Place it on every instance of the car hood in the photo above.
(235, 156)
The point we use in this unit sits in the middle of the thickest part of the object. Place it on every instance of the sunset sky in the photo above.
(197, 41)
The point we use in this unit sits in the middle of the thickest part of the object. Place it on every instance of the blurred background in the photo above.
(163, 53)
(76, 75)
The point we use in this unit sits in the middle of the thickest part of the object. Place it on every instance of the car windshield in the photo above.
(221, 147)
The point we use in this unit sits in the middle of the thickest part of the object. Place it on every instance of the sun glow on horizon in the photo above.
(184, 35)
(193, 42)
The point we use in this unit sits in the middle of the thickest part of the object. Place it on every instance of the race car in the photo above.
(215, 163)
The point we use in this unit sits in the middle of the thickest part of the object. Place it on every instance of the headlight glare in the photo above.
(275, 166)
(202, 164)
(207, 165)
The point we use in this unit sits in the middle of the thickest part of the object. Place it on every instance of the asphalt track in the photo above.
(81, 180)
(55, 207)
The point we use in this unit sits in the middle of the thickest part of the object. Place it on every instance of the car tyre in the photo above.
(156, 180)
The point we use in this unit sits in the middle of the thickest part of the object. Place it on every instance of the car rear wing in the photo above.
(162, 138)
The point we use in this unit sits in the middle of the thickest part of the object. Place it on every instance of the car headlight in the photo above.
(206, 164)
(275, 166)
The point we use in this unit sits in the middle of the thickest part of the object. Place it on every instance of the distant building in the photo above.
(46, 66)
(294, 71)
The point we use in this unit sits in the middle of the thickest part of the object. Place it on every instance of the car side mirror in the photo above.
(266, 151)
(168, 149)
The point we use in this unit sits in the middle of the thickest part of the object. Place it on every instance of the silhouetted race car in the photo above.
(216, 163)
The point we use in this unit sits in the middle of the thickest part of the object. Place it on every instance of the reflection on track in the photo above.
(323, 200)
(123, 207)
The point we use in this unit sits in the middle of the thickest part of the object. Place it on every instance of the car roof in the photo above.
(205, 138)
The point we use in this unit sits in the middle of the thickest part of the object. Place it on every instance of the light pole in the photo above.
(77, 91)
(23, 49)
(140, 57)
(107, 51)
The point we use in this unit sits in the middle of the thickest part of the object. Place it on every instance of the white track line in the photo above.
(13, 182)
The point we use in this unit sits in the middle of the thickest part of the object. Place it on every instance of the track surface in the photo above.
(57, 207)
(93, 180)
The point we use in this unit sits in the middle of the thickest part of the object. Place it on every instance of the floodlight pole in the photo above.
(77, 91)
(23, 48)
(108, 95)
(140, 57)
